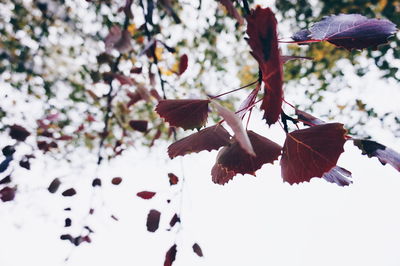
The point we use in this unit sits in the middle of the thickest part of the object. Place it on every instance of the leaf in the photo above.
(236, 125)
(54, 185)
(383, 153)
(124, 45)
(338, 175)
(232, 11)
(118, 39)
(187, 114)
(18, 132)
(5, 180)
(67, 222)
(263, 41)
(302, 36)
(7, 194)
(139, 125)
(5, 163)
(233, 158)
(173, 179)
(170, 256)
(210, 138)
(248, 103)
(351, 31)
(221, 175)
(146, 194)
(309, 119)
(69, 192)
(8, 150)
(153, 219)
(175, 219)
(116, 181)
(96, 182)
(183, 64)
(311, 152)
(197, 250)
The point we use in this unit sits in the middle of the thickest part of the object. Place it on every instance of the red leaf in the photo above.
(383, 153)
(197, 250)
(173, 179)
(116, 180)
(236, 124)
(233, 158)
(263, 41)
(221, 175)
(139, 125)
(170, 256)
(146, 194)
(136, 70)
(232, 11)
(183, 64)
(7, 194)
(175, 219)
(210, 138)
(153, 219)
(18, 132)
(187, 114)
(69, 192)
(311, 152)
(54, 185)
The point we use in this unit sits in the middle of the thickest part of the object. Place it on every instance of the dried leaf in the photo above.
(383, 153)
(311, 152)
(153, 219)
(236, 125)
(210, 138)
(187, 114)
(146, 194)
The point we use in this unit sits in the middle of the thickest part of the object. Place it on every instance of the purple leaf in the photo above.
(383, 153)
(338, 175)
(7, 194)
(175, 219)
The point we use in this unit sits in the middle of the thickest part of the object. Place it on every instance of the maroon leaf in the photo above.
(54, 185)
(263, 41)
(197, 250)
(236, 125)
(69, 192)
(351, 31)
(233, 158)
(309, 119)
(170, 256)
(18, 132)
(146, 194)
(153, 219)
(221, 175)
(116, 180)
(311, 152)
(187, 114)
(232, 11)
(139, 125)
(183, 64)
(136, 70)
(173, 179)
(248, 103)
(383, 153)
(210, 138)
(338, 175)
(7, 194)
(175, 219)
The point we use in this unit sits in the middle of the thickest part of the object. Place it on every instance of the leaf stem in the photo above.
(225, 93)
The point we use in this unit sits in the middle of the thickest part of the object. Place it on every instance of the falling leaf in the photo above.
(54, 185)
(236, 125)
(234, 158)
(175, 219)
(116, 180)
(7, 194)
(183, 64)
(170, 256)
(139, 125)
(187, 114)
(153, 219)
(18, 132)
(173, 179)
(197, 250)
(69, 192)
(351, 31)
(311, 152)
(263, 41)
(210, 138)
(383, 153)
(232, 11)
(146, 194)
(338, 175)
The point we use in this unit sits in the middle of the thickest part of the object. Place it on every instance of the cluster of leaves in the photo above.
(306, 153)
